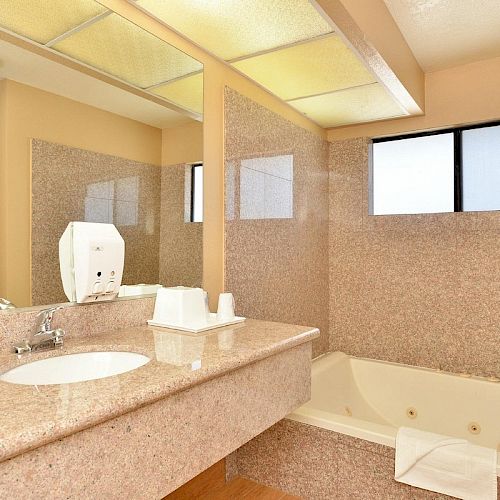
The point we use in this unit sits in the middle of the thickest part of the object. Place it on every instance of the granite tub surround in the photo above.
(181, 241)
(71, 184)
(414, 289)
(319, 464)
(276, 228)
(37, 415)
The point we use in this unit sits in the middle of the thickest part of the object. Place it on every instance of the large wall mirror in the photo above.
(100, 121)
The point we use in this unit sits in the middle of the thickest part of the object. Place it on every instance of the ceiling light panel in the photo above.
(355, 105)
(124, 50)
(307, 69)
(236, 28)
(186, 92)
(43, 21)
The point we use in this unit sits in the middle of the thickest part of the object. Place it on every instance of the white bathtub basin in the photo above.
(370, 399)
(74, 368)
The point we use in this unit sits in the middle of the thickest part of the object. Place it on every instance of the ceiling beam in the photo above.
(369, 29)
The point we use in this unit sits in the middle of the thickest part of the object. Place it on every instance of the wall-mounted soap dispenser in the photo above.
(91, 257)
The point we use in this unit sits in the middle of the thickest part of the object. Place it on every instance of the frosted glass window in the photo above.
(481, 168)
(197, 194)
(413, 176)
(266, 188)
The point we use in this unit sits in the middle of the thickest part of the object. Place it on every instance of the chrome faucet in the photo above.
(44, 336)
(6, 304)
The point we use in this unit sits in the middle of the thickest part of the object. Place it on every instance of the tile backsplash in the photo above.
(77, 320)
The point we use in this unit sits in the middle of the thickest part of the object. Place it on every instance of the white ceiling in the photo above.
(31, 69)
(447, 33)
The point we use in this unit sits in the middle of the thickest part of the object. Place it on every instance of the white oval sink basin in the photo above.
(74, 368)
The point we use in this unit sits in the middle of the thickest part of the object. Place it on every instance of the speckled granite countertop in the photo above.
(31, 416)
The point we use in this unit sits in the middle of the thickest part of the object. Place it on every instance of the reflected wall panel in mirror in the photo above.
(100, 121)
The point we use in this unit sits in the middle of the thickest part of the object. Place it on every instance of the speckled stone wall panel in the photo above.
(319, 464)
(77, 320)
(71, 184)
(152, 451)
(181, 241)
(417, 289)
(277, 269)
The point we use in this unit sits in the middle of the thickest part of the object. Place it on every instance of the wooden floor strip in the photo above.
(211, 485)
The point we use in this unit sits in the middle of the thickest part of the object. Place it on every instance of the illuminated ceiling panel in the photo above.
(43, 21)
(122, 49)
(186, 92)
(235, 28)
(355, 105)
(307, 69)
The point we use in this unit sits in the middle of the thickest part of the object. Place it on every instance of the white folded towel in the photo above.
(446, 465)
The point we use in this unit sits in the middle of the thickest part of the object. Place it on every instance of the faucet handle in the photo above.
(47, 315)
(57, 337)
(49, 312)
(22, 347)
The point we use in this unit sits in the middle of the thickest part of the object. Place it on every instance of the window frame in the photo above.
(457, 152)
(194, 166)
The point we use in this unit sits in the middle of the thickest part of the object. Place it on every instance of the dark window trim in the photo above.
(193, 167)
(457, 147)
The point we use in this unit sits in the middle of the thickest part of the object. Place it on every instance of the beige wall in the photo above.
(182, 144)
(456, 96)
(32, 113)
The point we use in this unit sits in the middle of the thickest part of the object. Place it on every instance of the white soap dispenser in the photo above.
(91, 258)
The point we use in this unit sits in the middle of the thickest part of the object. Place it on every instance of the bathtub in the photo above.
(370, 399)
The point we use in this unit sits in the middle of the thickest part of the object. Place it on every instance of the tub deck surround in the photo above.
(340, 444)
(37, 415)
(371, 399)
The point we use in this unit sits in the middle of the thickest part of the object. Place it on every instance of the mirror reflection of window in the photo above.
(99, 202)
(127, 201)
(113, 202)
(197, 193)
(266, 188)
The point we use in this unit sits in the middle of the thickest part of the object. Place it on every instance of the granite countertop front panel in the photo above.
(32, 416)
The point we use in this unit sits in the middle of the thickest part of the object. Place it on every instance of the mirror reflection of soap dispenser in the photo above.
(91, 258)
